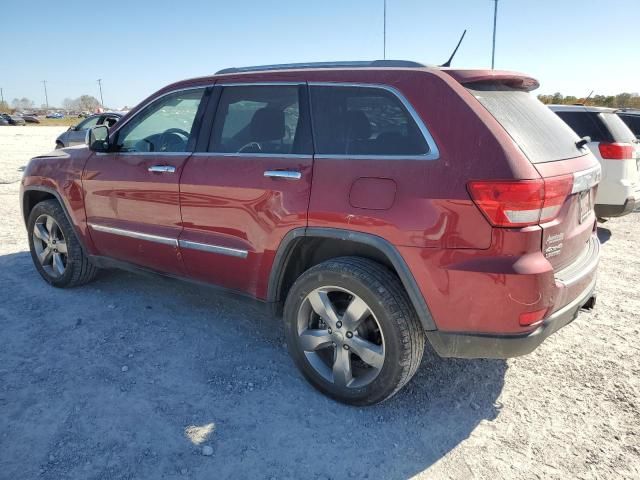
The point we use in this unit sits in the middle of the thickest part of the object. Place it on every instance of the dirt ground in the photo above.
(133, 376)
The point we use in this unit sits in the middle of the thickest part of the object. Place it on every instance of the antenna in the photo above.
(448, 62)
(587, 99)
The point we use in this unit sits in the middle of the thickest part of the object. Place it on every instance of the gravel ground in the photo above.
(149, 378)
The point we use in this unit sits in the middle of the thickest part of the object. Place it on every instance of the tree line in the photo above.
(621, 100)
(83, 103)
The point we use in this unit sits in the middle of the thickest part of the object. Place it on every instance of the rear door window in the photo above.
(362, 120)
(539, 133)
(261, 119)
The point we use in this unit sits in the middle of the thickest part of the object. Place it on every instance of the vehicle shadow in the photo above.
(201, 361)
(604, 234)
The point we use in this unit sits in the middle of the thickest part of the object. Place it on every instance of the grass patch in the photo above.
(57, 122)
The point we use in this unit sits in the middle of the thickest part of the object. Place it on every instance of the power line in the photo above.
(495, 21)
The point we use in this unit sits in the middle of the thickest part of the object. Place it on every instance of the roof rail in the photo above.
(297, 66)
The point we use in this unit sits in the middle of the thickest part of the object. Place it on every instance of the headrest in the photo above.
(267, 124)
(358, 126)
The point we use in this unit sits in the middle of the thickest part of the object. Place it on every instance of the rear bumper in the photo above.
(471, 345)
(607, 211)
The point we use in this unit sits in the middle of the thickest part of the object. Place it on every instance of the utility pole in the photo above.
(1, 96)
(495, 21)
(384, 31)
(46, 98)
(100, 86)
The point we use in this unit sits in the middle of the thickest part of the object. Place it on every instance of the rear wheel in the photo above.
(55, 250)
(352, 331)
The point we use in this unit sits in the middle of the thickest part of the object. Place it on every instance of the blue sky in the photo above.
(137, 46)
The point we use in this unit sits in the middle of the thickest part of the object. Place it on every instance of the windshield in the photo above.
(539, 133)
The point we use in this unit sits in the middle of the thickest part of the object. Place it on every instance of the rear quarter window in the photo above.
(619, 130)
(633, 122)
(539, 133)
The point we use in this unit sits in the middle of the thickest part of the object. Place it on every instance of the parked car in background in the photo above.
(76, 135)
(30, 118)
(12, 119)
(445, 205)
(618, 151)
(3, 122)
(632, 118)
(55, 115)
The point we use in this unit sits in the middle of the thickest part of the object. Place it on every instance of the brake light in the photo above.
(519, 203)
(616, 151)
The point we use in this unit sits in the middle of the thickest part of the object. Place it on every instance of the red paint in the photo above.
(473, 276)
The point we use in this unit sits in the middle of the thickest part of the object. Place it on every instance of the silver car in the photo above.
(75, 135)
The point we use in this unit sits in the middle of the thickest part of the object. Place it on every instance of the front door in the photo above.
(250, 187)
(131, 195)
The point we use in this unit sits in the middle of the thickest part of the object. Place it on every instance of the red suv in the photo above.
(376, 205)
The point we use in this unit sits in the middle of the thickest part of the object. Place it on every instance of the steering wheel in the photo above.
(254, 145)
(173, 140)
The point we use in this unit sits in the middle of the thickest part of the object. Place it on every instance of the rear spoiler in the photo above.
(519, 81)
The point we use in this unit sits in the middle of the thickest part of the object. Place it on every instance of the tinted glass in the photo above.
(539, 133)
(586, 124)
(88, 123)
(633, 122)
(619, 130)
(260, 119)
(363, 121)
(164, 126)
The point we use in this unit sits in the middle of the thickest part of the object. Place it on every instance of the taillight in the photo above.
(519, 203)
(616, 151)
(531, 319)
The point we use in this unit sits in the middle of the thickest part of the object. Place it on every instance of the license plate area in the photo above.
(585, 203)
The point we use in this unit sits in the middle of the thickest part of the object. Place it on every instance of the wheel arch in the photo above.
(34, 194)
(303, 248)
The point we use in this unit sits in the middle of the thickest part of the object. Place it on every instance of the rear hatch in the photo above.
(561, 201)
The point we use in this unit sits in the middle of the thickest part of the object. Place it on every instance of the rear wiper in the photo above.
(582, 142)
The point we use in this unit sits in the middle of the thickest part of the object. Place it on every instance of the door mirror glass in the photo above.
(97, 138)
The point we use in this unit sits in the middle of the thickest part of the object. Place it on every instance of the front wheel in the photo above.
(352, 331)
(55, 250)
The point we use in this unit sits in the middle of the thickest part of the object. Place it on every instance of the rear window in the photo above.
(539, 133)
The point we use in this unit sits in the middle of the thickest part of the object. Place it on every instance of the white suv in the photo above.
(618, 151)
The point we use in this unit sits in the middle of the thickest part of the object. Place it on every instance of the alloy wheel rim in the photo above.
(340, 337)
(50, 246)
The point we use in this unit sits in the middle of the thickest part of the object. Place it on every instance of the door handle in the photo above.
(162, 169)
(288, 174)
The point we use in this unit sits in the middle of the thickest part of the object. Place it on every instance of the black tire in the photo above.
(78, 269)
(59, 145)
(399, 326)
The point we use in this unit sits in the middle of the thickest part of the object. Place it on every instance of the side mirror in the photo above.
(97, 138)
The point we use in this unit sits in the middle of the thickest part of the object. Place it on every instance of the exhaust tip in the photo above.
(589, 304)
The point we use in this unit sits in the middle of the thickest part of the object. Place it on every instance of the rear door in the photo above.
(248, 185)
(570, 173)
(131, 195)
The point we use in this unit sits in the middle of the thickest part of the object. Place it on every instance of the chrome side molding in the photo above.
(131, 234)
(203, 247)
